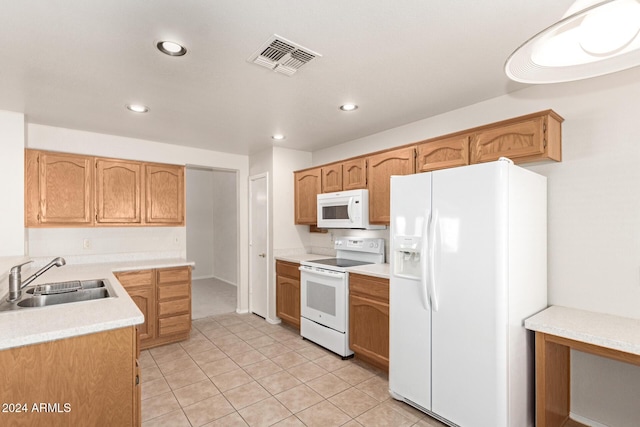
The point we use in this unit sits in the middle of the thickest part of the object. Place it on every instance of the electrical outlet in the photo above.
(86, 244)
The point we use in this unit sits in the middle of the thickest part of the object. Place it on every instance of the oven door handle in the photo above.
(320, 273)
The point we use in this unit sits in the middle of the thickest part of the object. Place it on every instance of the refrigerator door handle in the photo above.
(432, 258)
(424, 264)
(350, 209)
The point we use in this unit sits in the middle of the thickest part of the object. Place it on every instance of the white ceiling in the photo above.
(76, 63)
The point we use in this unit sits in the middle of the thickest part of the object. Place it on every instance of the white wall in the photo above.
(12, 196)
(200, 237)
(225, 226)
(285, 237)
(73, 141)
(12, 236)
(593, 212)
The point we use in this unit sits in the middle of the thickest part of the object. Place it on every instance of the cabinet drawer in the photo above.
(171, 275)
(179, 290)
(288, 269)
(370, 286)
(169, 308)
(135, 278)
(174, 325)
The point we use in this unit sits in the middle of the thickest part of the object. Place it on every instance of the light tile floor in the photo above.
(239, 370)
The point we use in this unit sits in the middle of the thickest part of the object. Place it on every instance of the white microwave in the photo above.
(345, 209)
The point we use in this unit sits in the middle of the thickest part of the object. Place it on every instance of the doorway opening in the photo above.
(212, 239)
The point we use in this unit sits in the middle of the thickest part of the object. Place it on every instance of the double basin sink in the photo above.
(61, 293)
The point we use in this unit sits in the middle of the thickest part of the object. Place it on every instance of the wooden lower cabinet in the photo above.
(88, 380)
(288, 293)
(164, 297)
(369, 319)
(140, 285)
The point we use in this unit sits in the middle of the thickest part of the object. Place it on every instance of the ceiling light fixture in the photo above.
(278, 137)
(593, 38)
(171, 48)
(348, 107)
(138, 108)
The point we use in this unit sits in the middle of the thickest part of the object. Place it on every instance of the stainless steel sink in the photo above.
(61, 293)
(63, 298)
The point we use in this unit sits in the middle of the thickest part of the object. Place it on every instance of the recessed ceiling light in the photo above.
(137, 108)
(278, 137)
(348, 107)
(171, 48)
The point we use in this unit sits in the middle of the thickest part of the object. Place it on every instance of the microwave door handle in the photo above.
(350, 209)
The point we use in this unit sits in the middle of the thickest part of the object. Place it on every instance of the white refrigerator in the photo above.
(468, 265)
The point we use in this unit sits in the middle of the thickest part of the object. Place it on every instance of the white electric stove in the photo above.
(324, 294)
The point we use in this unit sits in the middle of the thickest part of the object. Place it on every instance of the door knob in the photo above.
(262, 255)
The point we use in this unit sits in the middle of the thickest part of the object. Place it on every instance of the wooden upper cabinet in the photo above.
(354, 174)
(118, 191)
(59, 189)
(332, 178)
(164, 194)
(307, 186)
(522, 139)
(442, 153)
(380, 167)
(69, 190)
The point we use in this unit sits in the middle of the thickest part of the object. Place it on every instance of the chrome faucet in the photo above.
(15, 277)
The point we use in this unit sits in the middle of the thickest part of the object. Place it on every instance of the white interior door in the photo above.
(258, 244)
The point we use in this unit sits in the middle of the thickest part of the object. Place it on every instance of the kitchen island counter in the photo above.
(37, 325)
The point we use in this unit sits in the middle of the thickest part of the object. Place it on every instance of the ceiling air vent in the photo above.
(283, 56)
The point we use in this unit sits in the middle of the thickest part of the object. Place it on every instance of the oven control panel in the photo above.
(360, 244)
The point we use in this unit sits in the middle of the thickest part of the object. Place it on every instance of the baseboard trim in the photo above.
(225, 281)
(241, 311)
(584, 420)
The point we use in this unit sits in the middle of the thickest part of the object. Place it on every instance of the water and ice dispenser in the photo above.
(407, 257)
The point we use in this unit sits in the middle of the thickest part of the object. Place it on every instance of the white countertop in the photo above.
(604, 330)
(35, 325)
(301, 257)
(376, 270)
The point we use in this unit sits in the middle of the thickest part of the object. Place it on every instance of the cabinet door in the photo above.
(369, 329)
(380, 167)
(332, 178)
(140, 286)
(354, 174)
(118, 188)
(65, 189)
(523, 139)
(442, 153)
(288, 300)
(92, 375)
(306, 189)
(164, 194)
